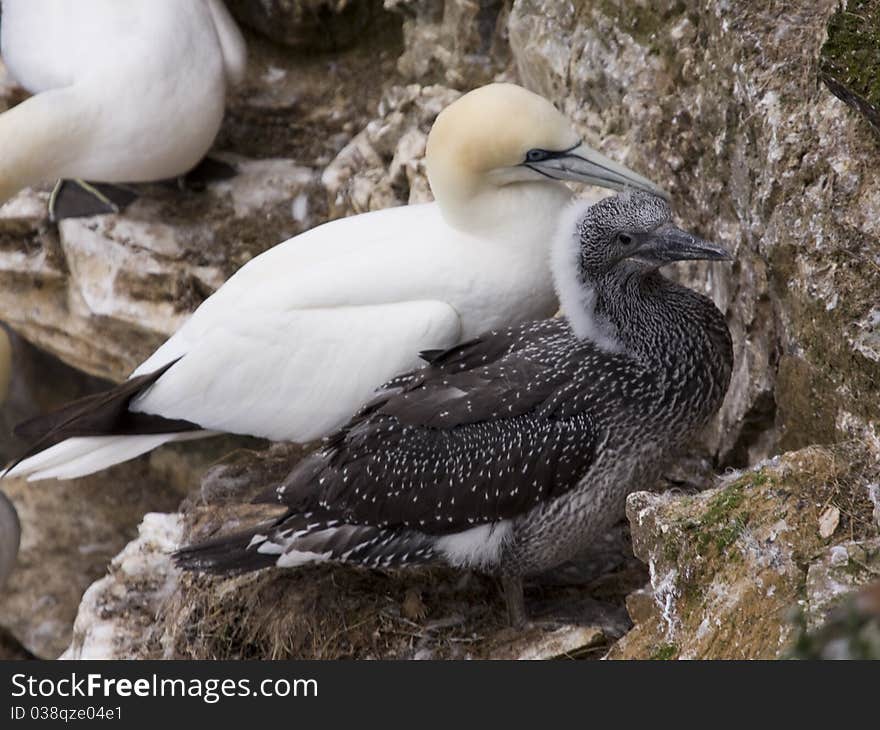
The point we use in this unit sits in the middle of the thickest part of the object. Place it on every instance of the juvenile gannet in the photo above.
(510, 453)
(129, 91)
(297, 340)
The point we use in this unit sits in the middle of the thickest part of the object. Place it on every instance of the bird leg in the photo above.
(516, 604)
(79, 199)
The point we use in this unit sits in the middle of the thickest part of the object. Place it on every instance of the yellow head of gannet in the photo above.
(502, 138)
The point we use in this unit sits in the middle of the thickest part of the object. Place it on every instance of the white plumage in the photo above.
(300, 337)
(125, 91)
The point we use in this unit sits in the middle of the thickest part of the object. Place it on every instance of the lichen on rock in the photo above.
(729, 564)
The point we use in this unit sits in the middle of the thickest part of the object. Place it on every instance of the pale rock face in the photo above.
(728, 566)
(109, 625)
(383, 165)
(137, 275)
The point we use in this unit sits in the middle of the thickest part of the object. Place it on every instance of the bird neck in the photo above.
(656, 321)
(472, 204)
(37, 138)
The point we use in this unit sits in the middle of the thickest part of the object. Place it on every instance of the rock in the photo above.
(458, 43)
(727, 565)
(566, 642)
(71, 530)
(874, 496)
(850, 66)
(383, 165)
(838, 574)
(309, 24)
(113, 621)
(852, 630)
(108, 290)
(828, 522)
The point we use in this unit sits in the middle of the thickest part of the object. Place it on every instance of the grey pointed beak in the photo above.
(583, 164)
(668, 244)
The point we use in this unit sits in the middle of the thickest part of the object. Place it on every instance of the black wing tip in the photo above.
(100, 414)
(430, 356)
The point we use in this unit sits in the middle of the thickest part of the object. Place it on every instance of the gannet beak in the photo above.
(582, 163)
(668, 244)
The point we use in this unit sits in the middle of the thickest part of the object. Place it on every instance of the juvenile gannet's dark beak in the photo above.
(668, 243)
(582, 163)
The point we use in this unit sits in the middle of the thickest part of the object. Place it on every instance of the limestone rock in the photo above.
(114, 621)
(728, 565)
(851, 631)
(308, 24)
(458, 43)
(383, 165)
(838, 573)
(102, 293)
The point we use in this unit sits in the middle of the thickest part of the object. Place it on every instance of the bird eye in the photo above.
(536, 155)
(624, 239)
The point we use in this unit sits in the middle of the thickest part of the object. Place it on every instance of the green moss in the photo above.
(664, 652)
(852, 52)
(671, 550)
(723, 503)
(722, 523)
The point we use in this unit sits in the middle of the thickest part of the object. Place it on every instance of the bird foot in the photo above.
(81, 199)
(516, 604)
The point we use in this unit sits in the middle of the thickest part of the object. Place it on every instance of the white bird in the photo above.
(298, 339)
(129, 91)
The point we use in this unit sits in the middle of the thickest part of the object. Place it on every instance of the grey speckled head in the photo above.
(607, 228)
(634, 230)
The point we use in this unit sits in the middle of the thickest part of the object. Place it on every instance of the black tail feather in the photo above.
(226, 555)
(101, 414)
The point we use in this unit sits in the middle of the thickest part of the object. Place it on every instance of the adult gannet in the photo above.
(511, 453)
(296, 340)
(129, 91)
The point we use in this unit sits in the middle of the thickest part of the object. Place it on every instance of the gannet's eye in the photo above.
(536, 155)
(624, 239)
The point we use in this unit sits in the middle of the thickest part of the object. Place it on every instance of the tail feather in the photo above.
(295, 539)
(95, 432)
(80, 456)
(227, 555)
